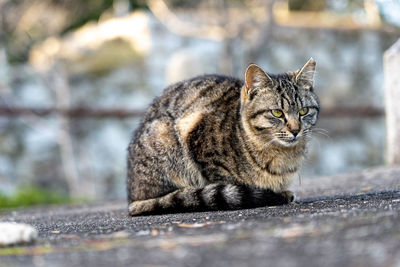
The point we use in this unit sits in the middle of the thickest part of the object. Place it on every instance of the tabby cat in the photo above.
(218, 143)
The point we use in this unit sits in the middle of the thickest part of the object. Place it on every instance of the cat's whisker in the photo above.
(257, 137)
(306, 132)
(308, 137)
(281, 135)
(267, 144)
(321, 130)
(315, 128)
(322, 133)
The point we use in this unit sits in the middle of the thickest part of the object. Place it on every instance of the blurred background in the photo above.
(75, 76)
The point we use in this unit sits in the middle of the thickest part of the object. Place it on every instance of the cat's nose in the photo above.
(295, 132)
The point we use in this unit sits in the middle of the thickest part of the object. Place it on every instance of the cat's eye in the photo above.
(277, 113)
(303, 111)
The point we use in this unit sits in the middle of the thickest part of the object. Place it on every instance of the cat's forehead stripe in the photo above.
(288, 93)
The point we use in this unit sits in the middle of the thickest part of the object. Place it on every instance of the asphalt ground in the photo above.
(343, 220)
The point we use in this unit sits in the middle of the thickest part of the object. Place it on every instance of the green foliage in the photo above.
(30, 196)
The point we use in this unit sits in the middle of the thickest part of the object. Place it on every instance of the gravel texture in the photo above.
(344, 220)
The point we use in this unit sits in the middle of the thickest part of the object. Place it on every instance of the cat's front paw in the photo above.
(288, 195)
(142, 207)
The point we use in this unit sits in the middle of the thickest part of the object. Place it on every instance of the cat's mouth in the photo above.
(288, 141)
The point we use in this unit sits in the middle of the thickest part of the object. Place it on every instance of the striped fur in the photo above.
(212, 143)
(211, 197)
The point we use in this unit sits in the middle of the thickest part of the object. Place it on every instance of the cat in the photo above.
(220, 143)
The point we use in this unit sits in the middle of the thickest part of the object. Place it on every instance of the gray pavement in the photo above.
(343, 220)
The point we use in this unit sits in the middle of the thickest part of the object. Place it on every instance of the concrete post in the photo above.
(391, 66)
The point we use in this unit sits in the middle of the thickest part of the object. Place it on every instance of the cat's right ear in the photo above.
(256, 78)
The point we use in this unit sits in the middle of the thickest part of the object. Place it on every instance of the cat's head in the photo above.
(279, 109)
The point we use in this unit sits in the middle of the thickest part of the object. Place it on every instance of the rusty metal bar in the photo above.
(79, 112)
(357, 111)
(119, 113)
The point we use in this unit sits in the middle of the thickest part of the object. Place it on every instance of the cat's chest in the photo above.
(278, 172)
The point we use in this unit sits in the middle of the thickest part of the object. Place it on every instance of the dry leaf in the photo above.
(154, 232)
(120, 234)
(366, 188)
(296, 231)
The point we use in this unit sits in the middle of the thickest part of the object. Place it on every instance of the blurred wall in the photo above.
(125, 62)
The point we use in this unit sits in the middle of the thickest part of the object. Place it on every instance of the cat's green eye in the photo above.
(277, 113)
(303, 111)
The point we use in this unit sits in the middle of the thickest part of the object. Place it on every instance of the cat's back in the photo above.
(183, 105)
(206, 91)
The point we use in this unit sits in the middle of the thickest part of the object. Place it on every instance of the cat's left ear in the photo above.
(304, 77)
(256, 78)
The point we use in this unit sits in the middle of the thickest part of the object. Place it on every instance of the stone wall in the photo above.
(349, 72)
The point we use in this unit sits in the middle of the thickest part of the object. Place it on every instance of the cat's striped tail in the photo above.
(211, 197)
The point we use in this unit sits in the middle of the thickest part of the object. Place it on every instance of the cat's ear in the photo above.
(256, 78)
(304, 77)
